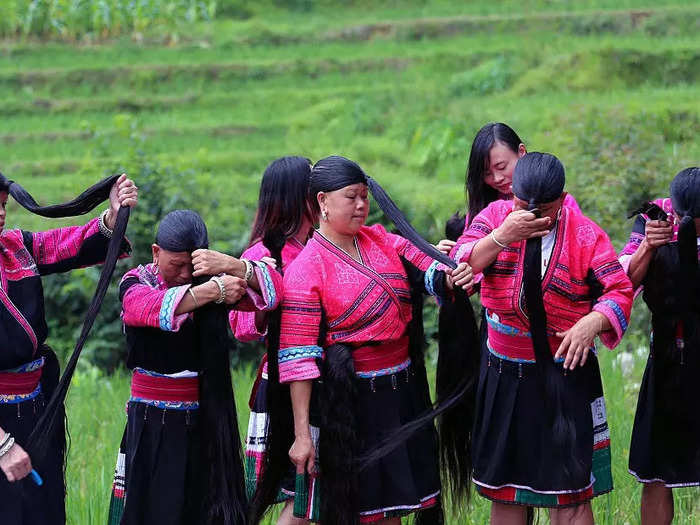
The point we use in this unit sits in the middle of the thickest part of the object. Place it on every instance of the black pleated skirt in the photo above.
(406, 480)
(512, 442)
(23, 502)
(163, 473)
(666, 436)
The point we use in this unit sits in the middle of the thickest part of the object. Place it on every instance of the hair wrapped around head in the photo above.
(538, 178)
(182, 231)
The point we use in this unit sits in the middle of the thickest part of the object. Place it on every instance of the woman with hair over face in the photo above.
(346, 318)
(180, 458)
(552, 283)
(661, 253)
(494, 153)
(28, 367)
(282, 226)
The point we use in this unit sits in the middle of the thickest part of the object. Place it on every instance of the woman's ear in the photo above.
(155, 249)
(522, 150)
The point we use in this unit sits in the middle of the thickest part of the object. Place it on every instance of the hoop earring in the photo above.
(156, 270)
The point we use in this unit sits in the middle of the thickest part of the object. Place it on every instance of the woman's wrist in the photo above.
(206, 292)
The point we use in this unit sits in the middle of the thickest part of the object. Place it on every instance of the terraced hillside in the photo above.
(613, 91)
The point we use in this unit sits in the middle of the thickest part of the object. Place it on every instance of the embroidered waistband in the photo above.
(385, 371)
(21, 383)
(174, 392)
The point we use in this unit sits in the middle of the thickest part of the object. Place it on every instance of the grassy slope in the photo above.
(612, 92)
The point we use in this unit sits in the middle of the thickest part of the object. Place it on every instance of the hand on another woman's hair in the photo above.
(123, 193)
(235, 288)
(658, 233)
(211, 262)
(461, 276)
(521, 225)
(15, 463)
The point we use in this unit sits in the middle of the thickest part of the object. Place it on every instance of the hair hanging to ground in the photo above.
(52, 419)
(539, 178)
(480, 194)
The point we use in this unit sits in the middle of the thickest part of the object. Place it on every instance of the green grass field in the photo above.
(401, 87)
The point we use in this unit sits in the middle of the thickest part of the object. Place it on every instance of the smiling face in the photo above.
(3, 210)
(175, 267)
(346, 209)
(498, 169)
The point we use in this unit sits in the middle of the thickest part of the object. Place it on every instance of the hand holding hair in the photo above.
(658, 233)
(123, 193)
(462, 276)
(521, 225)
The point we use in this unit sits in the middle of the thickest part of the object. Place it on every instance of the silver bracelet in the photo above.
(104, 229)
(7, 446)
(194, 297)
(493, 238)
(5, 438)
(222, 289)
(248, 269)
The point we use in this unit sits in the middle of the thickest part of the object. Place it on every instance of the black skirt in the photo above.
(163, 473)
(23, 502)
(666, 436)
(407, 479)
(512, 441)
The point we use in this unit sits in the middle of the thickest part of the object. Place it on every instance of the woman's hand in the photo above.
(303, 454)
(123, 193)
(445, 246)
(211, 262)
(235, 288)
(658, 233)
(520, 225)
(578, 340)
(461, 276)
(15, 464)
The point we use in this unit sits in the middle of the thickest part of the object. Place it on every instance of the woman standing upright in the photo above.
(551, 284)
(661, 253)
(28, 367)
(346, 315)
(282, 226)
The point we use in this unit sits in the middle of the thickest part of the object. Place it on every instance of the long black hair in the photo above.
(51, 422)
(282, 202)
(480, 194)
(685, 197)
(282, 207)
(223, 493)
(539, 178)
(330, 174)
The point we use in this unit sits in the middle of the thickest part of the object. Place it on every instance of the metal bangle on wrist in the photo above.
(7, 444)
(248, 269)
(222, 289)
(104, 229)
(493, 238)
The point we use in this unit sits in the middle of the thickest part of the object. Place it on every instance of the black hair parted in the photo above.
(539, 178)
(480, 194)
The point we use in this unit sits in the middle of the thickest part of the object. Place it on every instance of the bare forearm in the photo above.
(301, 397)
(639, 263)
(204, 293)
(483, 254)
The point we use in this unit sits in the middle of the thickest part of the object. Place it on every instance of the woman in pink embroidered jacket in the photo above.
(551, 284)
(163, 464)
(28, 368)
(345, 318)
(282, 226)
(663, 251)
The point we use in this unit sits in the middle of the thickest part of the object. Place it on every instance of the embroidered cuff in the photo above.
(616, 316)
(299, 363)
(265, 300)
(168, 320)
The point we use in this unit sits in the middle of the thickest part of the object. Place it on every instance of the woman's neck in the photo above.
(302, 234)
(343, 241)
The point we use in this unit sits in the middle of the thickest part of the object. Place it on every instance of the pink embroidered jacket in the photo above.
(568, 201)
(160, 340)
(24, 258)
(329, 297)
(243, 323)
(583, 275)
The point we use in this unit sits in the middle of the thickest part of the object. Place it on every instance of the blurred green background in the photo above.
(194, 98)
